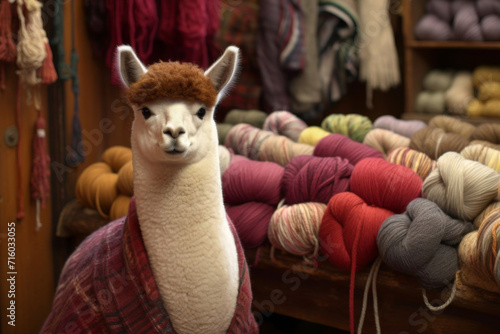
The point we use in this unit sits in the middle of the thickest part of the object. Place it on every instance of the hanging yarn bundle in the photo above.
(252, 117)
(352, 125)
(435, 142)
(385, 141)
(479, 254)
(40, 175)
(263, 145)
(285, 123)
(460, 93)
(416, 161)
(314, 179)
(422, 243)
(8, 50)
(487, 132)
(30, 45)
(379, 65)
(312, 135)
(483, 154)
(403, 127)
(462, 188)
(453, 125)
(384, 184)
(295, 229)
(348, 236)
(337, 145)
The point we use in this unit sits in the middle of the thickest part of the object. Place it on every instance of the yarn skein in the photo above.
(252, 181)
(314, 179)
(253, 117)
(403, 127)
(119, 208)
(487, 132)
(295, 229)
(478, 254)
(116, 157)
(312, 135)
(337, 145)
(480, 218)
(385, 141)
(453, 125)
(484, 74)
(353, 126)
(435, 142)
(384, 184)
(483, 154)
(264, 145)
(421, 243)
(251, 221)
(285, 123)
(418, 162)
(125, 181)
(460, 187)
(460, 93)
(348, 220)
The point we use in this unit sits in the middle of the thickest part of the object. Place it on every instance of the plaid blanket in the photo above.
(107, 286)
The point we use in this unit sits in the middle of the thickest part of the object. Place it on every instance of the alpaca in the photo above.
(195, 257)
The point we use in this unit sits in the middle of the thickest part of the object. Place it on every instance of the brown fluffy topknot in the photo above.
(173, 80)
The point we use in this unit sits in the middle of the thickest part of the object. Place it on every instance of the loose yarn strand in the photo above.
(443, 306)
(371, 280)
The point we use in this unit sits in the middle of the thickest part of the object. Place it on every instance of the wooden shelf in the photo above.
(473, 120)
(321, 295)
(452, 45)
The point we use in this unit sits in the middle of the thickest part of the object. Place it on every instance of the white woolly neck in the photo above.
(190, 246)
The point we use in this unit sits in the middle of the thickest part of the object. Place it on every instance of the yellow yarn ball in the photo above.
(489, 90)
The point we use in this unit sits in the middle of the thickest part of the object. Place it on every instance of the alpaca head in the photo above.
(174, 105)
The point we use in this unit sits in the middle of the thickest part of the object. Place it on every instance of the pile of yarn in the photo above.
(487, 82)
(107, 186)
(460, 20)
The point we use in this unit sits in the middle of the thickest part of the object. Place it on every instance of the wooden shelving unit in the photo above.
(422, 56)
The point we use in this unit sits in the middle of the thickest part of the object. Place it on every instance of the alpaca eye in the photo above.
(201, 113)
(146, 112)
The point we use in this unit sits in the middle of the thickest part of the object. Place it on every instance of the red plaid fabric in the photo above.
(107, 286)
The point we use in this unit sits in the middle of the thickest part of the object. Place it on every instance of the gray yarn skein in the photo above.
(422, 243)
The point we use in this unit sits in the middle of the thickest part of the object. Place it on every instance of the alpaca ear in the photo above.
(129, 65)
(223, 72)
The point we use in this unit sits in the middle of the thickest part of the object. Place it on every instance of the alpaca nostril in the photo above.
(174, 134)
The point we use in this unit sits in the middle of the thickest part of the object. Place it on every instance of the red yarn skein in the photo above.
(337, 145)
(251, 221)
(384, 184)
(315, 179)
(348, 232)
